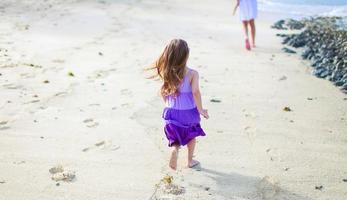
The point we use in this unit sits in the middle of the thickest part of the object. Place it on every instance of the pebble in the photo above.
(287, 50)
(215, 100)
(319, 187)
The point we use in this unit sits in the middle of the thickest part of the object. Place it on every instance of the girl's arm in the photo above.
(197, 94)
(237, 5)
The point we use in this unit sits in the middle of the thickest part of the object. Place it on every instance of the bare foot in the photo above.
(193, 163)
(248, 46)
(173, 159)
(253, 45)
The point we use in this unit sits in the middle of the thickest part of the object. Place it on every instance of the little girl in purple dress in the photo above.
(183, 106)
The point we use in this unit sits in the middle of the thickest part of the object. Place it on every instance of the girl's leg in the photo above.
(245, 29)
(191, 147)
(174, 156)
(252, 25)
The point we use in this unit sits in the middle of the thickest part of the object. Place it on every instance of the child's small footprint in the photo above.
(3, 125)
(90, 123)
(127, 105)
(126, 92)
(12, 86)
(104, 145)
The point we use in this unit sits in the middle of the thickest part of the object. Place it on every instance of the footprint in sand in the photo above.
(268, 188)
(126, 105)
(273, 154)
(126, 92)
(12, 86)
(101, 74)
(32, 101)
(103, 145)
(27, 75)
(3, 125)
(60, 61)
(90, 123)
(251, 133)
(94, 104)
(60, 94)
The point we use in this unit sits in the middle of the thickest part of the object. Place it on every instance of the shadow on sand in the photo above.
(233, 185)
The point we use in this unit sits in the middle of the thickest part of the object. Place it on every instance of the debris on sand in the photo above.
(282, 78)
(33, 65)
(166, 189)
(319, 187)
(59, 174)
(215, 101)
(66, 176)
(287, 109)
(71, 74)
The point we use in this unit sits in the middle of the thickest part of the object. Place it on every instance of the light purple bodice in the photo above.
(185, 99)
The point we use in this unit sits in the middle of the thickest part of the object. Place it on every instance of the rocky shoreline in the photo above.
(323, 41)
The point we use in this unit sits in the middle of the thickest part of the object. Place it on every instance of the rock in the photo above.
(287, 109)
(324, 42)
(215, 100)
(71, 74)
(281, 35)
(319, 187)
(287, 50)
(279, 25)
(295, 24)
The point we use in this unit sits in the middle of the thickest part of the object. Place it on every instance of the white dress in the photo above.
(248, 10)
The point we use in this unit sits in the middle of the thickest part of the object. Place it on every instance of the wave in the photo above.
(301, 10)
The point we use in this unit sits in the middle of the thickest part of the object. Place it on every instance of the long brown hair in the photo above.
(170, 66)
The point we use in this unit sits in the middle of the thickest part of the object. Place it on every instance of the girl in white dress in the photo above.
(248, 12)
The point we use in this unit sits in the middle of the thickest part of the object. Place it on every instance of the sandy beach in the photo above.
(74, 96)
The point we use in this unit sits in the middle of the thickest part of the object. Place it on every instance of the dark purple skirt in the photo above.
(181, 126)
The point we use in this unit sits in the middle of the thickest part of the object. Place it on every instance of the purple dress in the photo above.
(182, 118)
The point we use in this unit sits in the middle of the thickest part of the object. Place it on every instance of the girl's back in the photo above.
(184, 100)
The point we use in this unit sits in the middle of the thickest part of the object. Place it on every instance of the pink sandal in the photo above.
(248, 46)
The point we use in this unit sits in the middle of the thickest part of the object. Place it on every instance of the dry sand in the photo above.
(74, 97)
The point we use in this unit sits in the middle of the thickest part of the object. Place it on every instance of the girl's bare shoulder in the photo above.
(194, 72)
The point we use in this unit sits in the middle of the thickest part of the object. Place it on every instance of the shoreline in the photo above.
(321, 41)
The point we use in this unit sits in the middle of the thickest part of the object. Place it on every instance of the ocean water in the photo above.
(304, 8)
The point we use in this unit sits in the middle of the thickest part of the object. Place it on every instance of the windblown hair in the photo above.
(170, 66)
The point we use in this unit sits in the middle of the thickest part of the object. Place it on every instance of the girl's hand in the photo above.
(204, 113)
